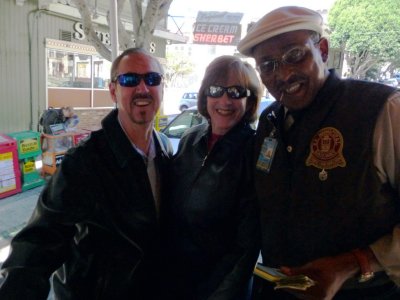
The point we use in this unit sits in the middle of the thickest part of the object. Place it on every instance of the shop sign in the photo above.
(79, 34)
(220, 34)
(104, 37)
(217, 28)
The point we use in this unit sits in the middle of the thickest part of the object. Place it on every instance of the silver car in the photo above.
(188, 100)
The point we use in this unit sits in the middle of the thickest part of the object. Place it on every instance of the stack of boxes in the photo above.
(55, 146)
(23, 160)
(54, 149)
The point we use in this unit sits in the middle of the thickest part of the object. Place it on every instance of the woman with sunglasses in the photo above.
(212, 222)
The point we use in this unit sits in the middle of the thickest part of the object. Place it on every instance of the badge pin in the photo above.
(326, 149)
(323, 175)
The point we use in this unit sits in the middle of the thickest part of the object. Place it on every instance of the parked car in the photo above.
(186, 119)
(188, 100)
(191, 117)
(397, 76)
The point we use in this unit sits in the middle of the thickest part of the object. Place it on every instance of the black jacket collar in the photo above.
(121, 145)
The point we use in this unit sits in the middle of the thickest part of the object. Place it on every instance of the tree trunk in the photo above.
(143, 26)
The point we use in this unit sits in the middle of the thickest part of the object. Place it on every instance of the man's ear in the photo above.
(324, 49)
(112, 88)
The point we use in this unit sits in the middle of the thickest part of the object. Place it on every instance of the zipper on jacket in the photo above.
(204, 160)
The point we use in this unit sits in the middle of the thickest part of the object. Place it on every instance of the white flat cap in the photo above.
(278, 21)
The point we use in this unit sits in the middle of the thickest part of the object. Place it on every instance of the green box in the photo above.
(29, 148)
(28, 143)
(29, 173)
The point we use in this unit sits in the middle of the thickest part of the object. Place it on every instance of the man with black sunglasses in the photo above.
(96, 224)
(328, 181)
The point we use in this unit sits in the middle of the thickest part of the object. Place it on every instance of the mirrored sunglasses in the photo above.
(133, 79)
(233, 92)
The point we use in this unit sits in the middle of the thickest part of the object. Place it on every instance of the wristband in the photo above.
(365, 267)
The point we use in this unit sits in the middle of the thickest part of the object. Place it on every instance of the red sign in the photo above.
(217, 28)
(216, 33)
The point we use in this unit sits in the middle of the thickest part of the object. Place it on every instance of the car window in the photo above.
(182, 122)
(189, 96)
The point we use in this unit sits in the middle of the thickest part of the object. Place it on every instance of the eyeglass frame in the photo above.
(245, 92)
(276, 62)
(144, 77)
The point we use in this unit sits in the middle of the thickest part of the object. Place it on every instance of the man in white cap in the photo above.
(329, 194)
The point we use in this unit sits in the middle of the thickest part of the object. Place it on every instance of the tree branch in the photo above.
(90, 33)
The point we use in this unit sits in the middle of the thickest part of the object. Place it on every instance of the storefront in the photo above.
(77, 75)
(47, 62)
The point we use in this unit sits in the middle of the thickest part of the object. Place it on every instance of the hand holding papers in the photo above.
(298, 282)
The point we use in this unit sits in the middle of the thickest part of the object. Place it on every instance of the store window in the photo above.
(79, 80)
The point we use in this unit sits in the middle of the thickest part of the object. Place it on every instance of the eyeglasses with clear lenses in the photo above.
(133, 79)
(293, 56)
(234, 92)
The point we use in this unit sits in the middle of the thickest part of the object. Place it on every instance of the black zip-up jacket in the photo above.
(213, 223)
(95, 223)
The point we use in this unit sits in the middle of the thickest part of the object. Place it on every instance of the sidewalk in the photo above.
(15, 211)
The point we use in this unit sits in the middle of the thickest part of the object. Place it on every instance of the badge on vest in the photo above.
(326, 151)
(267, 154)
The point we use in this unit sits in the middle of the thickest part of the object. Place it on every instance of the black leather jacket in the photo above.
(95, 223)
(213, 225)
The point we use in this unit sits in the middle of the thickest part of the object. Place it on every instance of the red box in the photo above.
(79, 135)
(10, 174)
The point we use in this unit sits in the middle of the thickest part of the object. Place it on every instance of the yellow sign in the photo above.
(7, 175)
(160, 121)
(6, 156)
(28, 167)
(28, 145)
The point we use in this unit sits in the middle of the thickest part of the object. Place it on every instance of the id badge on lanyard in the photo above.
(267, 154)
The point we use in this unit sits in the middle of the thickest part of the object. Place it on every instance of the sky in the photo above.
(252, 9)
(184, 13)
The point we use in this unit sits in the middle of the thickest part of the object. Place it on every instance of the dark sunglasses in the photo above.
(133, 79)
(233, 92)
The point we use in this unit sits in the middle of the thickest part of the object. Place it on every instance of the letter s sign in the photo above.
(79, 34)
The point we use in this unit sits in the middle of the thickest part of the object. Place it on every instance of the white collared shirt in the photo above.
(152, 171)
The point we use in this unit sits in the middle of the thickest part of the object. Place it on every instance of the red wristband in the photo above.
(363, 262)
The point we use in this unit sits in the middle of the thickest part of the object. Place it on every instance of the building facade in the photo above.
(45, 61)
